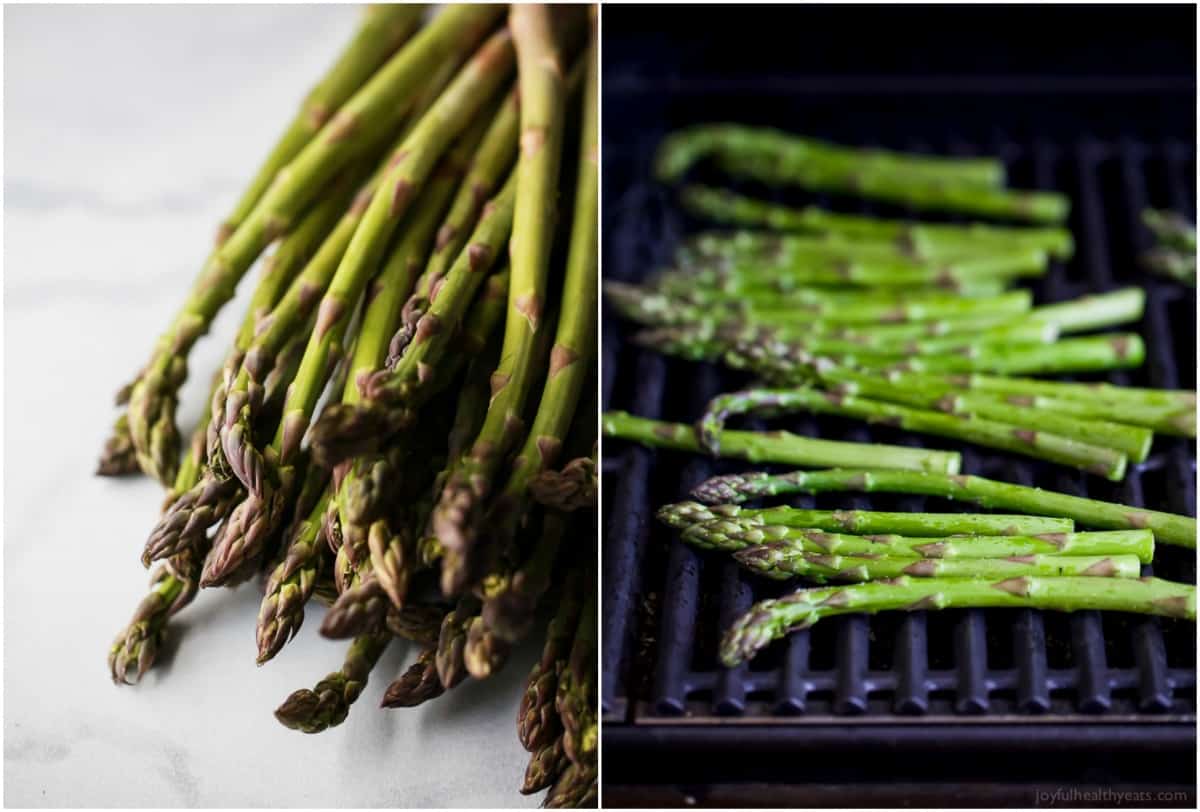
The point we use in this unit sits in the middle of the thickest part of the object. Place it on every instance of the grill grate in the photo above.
(666, 604)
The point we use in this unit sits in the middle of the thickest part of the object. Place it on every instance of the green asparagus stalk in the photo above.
(574, 789)
(416, 685)
(1171, 264)
(1168, 528)
(383, 29)
(920, 240)
(1171, 229)
(683, 515)
(772, 619)
(416, 622)
(453, 639)
(328, 703)
(684, 148)
(543, 102)
(1016, 438)
(546, 764)
(783, 562)
(901, 189)
(777, 446)
(1132, 441)
(573, 487)
(1163, 410)
(509, 613)
(172, 587)
(383, 100)
(538, 722)
(1072, 355)
(291, 583)
(733, 535)
(576, 697)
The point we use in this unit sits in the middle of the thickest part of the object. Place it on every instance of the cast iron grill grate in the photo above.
(666, 604)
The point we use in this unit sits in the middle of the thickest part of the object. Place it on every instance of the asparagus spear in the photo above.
(416, 685)
(683, 148)
(573, 487)
(543, 102)
(1132, 441)
(783, 562)
(1168, 528)
(509, 612)
(1018, 438)
(538, 722)
(574, 789)
(420, 623)
(576, 697)
(546, 764)
(453, 639)
(921, 240)
(1165, 411)
(777, 446)
(1073, 355)
(355, 127)
(1171, 264)
(1171, 229)
(900, 188)
(683, 515)
(328, 703)
(172, 587)
(383, 29)
(772, 619)
(291, 583)
(733, 535)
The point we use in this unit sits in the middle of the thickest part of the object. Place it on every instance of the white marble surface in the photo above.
(129, 133)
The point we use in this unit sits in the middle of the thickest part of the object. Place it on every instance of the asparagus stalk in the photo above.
(291, 583)
(546, 764)
(683, 515)
(734, 535)
(852, 311)
(684, 148)
(1073, 355)
(1165, 411)
(900, 188)
(382, 31)
(416, 685)
(574, 789)
(328, 703)
(1017, 438)
(538, 722)
(777, 446)
(573, 487)
(1171, 264)
(172, 587)
(1171, 229)
(783, 562)
(920, 240)
(1132, 441)
(453, 639)
(356, 126)
(543, 102)
(772, 619)
(1168, 528)
(509, 613)
(576, 697)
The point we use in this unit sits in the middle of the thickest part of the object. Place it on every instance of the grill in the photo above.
(1010, 703)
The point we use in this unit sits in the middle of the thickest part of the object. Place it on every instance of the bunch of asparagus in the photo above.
(452, 378)
(912, 561)
(1174, 253)
(908, 324)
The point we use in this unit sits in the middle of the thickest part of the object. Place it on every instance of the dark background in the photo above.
(1096, 101)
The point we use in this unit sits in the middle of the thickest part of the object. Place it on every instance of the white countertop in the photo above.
(129, 133)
